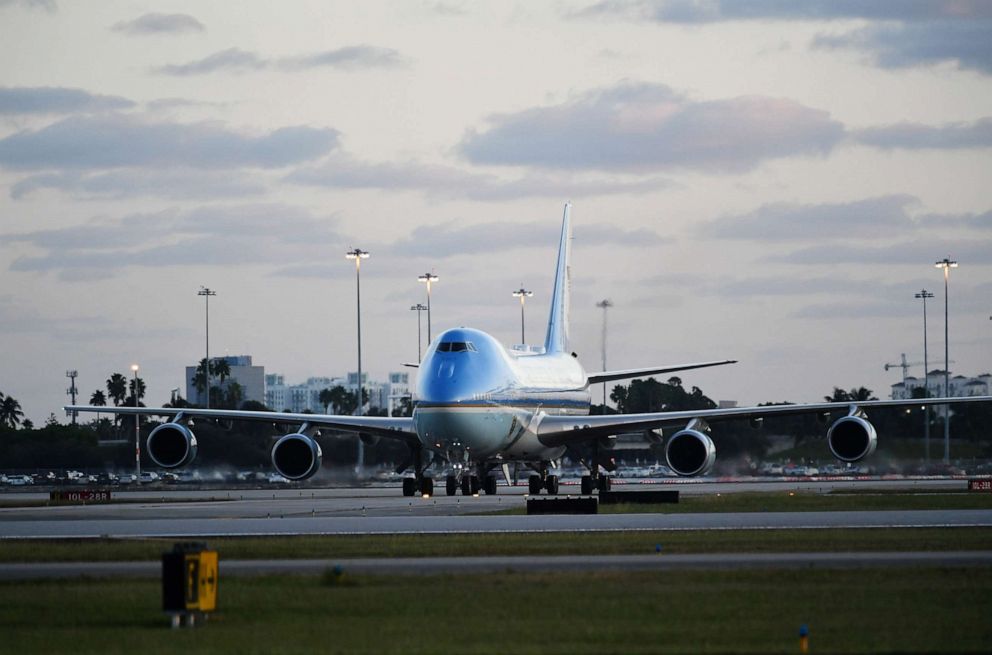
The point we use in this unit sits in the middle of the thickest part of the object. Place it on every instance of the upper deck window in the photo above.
(456, 346)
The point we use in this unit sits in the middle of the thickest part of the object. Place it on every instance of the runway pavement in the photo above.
(381, 510)
(498, 564)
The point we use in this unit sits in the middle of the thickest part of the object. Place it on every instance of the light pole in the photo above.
(358, 255)
(206, 293)
(137, 425)
(924, 294)
(523, 294)
(604, 305)
(419, 307)
(428, 278)
(947, 265)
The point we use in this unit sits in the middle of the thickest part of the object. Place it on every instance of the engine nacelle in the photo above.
(690, 452)
(655, 436)
(296, 456)
(852, 438)
(171, 445)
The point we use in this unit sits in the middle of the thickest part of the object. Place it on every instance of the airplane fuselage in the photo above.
(478, 401)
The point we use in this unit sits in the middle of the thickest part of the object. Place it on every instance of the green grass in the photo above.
(757, 611)
(451, 545)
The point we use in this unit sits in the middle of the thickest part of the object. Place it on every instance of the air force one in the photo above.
(480, 406)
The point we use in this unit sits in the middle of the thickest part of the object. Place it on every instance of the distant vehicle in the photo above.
(275, 478)
(126, 478)
(19, 480)
(149, 476)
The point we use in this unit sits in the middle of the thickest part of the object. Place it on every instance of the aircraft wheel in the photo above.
(534, 484)
(605, 483)
(491, 484)
(551, 484)
(451, 485)
(586, 485)
(476, 484)
(409, 486)
(427, 486)
(466, 485)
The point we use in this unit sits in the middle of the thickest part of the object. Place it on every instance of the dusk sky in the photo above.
(765, 181)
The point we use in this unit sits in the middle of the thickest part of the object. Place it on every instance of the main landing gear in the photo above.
(598, 483)
(471, 484)
(420, 484)
(543, 480)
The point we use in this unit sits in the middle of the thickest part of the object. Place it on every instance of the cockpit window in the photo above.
(456, 346)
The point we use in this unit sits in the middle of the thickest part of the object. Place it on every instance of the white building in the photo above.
(960, 385)
(298, 398)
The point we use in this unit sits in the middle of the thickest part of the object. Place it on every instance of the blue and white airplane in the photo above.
(480, 406)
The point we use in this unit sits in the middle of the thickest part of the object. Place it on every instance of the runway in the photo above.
(167, 513)
(499, 564)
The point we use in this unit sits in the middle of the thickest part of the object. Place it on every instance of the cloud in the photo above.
(48, 5)
(713, 11)
(174, 184)
(248, 235)
(650, 127)
(968, 45)
(870, 218)
(456, 238)
(902, 34)
(343, 172)
(235, 60)
(919, 251)
(118, 141)
(56, 100)
(916, 136)
(153, 23)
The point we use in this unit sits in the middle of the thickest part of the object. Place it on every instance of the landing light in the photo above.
(426, 496)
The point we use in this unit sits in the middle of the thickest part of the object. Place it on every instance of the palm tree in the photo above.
(10, 412)
(98, 399)
(117, 388)
(199, 378)
(221, 369)
(326, 397)
(141, 388)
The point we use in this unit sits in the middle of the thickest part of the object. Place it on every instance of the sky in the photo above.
(765, 181)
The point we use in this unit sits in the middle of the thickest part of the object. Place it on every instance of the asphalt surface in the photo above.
(497, 564)
(382, 510)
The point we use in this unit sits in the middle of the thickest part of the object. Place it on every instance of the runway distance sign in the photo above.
(984, 484)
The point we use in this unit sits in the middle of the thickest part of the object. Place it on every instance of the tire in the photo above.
(491, 484)
(605, 483)
(466, 485)
(451, 485)
(586, 485)
(476, 484)
(427, 486)
(534, 485)
(551, 484)
(409, 486)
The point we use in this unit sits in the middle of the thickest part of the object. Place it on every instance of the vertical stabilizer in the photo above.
(557, 339)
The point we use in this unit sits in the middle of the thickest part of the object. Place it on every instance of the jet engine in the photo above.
(690, 452)
(296, 456)
(852, 438)
(171, 445)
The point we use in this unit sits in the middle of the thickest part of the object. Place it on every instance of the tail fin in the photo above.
(557, 338)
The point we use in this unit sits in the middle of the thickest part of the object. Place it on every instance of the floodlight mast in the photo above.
(429, 278)
(206, 293)
(358, 255)
(923, 295)
(947, 265)
(604, 304)
(523, 294)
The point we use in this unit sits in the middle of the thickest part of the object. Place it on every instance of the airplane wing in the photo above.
(607, 376)
(565, 430)
(391, 427)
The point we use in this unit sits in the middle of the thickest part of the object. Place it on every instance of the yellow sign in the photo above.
(205, 585)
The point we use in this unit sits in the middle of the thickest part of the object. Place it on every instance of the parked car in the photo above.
(19, 480)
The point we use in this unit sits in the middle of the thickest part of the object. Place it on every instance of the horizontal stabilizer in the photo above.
(608, 376)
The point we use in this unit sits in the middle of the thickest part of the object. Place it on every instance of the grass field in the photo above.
(451, 545)
(755, 611)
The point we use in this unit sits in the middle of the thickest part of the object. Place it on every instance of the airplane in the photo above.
(481, 406)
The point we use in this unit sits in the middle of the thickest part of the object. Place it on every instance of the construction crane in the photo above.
(904, 365)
